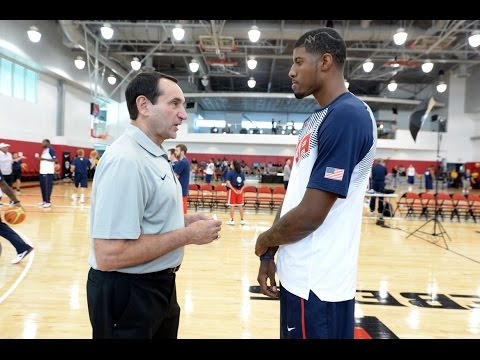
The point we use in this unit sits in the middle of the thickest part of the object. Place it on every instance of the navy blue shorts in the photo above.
(314, 318)
(81, 179)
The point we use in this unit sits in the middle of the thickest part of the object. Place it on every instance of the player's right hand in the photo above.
(204, 231)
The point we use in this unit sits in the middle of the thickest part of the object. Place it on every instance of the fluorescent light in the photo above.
(79, 63)
(254, 34)
(194, 66)
(136, 64)
(107, 31)
(178, 32)
(400, 36)
(111, 79)
(441, 87)
(251, 83)
(427, 66)
(367, 65)
(252, 63)
(392, 86)
(474, 39)
(34, 35)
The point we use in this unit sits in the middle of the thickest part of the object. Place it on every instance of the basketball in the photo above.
(57, 168)
(14, 215)
(24, 167)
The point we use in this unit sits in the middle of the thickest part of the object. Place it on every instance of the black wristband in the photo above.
(267, 257)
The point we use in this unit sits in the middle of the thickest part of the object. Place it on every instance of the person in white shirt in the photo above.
(410, 177)
(317, 230)
(209, 171)
(48, 159)
(6, 162)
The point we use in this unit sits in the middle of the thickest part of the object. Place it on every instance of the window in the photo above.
(31, 86)
(18, 81)
(6, 77)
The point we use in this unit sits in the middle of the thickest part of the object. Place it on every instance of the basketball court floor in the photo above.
(407, 288)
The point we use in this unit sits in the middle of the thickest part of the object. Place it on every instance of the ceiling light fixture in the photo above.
(34, 35)
(367, 65)
(107, 31)
(136, 64)
(111, 79)
(427, 66)
(178, 32)
(474, 39)
(252, 63)
(194, 66)
(251, 82)
(392, 86)
(79, 63)
(254, 33)
(400, 37)
(441, 87)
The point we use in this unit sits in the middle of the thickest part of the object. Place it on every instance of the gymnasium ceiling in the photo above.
(222, 48)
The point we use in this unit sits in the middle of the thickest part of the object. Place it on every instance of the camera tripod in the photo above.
(438, 229)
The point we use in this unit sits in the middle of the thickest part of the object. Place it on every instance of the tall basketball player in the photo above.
(317, 230)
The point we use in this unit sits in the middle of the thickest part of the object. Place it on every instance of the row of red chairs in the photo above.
(215, 196)
(428, 204)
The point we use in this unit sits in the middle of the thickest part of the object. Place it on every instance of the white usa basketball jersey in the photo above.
(335, 152)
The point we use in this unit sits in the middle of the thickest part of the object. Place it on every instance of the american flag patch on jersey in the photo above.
(334, 173)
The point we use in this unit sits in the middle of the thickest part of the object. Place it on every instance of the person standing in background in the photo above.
(172, 156)
(79, 169)
(17, 170)
(379, 173)
(93, 163)
(48, 159)
(209, 170)
(6, 161)
(411, 177)
(286, 173)
(429, 176)
(182, 169)
(235, 183)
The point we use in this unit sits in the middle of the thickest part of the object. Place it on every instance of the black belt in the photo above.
(170, 270)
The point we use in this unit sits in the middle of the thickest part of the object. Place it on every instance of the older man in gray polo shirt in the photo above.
(138, 229)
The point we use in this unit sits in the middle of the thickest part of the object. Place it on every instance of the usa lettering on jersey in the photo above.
(303, 147)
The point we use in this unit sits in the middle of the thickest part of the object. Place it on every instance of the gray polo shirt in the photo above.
(136, 192)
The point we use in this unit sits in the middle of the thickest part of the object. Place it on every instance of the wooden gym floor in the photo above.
(407, 288)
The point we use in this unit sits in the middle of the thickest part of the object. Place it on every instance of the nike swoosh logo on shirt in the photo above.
(164, 176)
(290, 329)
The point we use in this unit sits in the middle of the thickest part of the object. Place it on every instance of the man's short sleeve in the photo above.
(342, 144)
(119, 200)
(52, 153)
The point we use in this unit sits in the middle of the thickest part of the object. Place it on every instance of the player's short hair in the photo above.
(324, 40)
